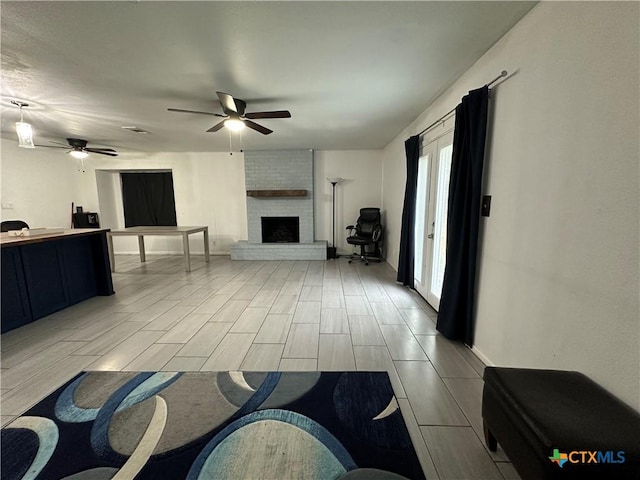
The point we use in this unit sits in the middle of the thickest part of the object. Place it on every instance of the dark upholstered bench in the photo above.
(539, 415)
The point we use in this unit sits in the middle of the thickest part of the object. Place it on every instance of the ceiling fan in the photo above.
(235, 117)
(78, 148)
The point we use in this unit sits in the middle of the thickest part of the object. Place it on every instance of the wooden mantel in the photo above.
(276, 193)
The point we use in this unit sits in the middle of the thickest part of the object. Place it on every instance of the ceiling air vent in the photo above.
(135, 129)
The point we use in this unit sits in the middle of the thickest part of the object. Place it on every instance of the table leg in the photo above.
(206, 244)
(185, 243)
(143, 257)
(112, 257)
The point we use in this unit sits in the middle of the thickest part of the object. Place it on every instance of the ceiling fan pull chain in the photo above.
(80, 164)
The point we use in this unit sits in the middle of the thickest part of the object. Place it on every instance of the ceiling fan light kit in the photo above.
(234, 124)
(79, 154)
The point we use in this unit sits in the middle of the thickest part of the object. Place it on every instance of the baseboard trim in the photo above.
(482, 357)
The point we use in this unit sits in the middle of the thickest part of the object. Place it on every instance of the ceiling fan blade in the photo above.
(101, 151)
(241, 105)
(58, 143)
(227, 102)
(194, 111)
(274, 114)
(216, 127)
(51, 146)
(97, 150)
(257, 128)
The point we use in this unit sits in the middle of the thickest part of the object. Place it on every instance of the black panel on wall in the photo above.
(148, 199)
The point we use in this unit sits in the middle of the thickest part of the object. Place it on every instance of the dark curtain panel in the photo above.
(455, 318)
(148, 199)
(406, 260)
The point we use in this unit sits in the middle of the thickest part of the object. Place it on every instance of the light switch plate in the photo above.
(486, 206)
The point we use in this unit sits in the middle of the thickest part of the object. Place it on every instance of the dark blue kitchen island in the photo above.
(46, 273)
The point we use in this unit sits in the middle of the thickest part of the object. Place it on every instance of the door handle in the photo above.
(430, 235)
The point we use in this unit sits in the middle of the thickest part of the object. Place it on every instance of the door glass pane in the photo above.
(421, 207)
(440, 227)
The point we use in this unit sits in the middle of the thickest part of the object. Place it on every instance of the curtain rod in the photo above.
(502, 74)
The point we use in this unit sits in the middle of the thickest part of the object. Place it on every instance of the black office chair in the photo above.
(7, 225)
(366, 232)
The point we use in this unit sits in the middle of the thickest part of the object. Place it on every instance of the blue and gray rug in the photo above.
(213, 425)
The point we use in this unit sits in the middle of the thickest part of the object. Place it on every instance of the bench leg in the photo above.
(489, 439)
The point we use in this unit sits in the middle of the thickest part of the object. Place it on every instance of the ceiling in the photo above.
(352, 74)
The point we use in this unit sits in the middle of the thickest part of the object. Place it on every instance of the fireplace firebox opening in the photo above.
(280, 229)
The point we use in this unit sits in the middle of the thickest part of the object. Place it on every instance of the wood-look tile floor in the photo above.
(262, 316)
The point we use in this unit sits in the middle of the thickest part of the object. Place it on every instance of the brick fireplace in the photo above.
(279, 186)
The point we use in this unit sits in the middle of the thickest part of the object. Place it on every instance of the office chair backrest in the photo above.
(7, 225)
(368, 220)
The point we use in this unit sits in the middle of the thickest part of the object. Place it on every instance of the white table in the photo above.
(140, 232)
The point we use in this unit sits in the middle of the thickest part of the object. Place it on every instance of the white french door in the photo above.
(434, 170)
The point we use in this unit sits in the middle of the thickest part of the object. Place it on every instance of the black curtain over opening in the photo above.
(407, 234)
(148, 199)
(455, 318)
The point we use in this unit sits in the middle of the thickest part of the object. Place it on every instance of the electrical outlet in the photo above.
(7, 206)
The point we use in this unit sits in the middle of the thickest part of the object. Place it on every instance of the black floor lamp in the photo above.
(331, 251)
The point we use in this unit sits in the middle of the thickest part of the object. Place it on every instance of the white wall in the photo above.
(41, 186)
(109, 188)
(558, 268)
(361, 171)
(208, 189)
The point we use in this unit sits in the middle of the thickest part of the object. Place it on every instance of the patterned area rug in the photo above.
(213, 425)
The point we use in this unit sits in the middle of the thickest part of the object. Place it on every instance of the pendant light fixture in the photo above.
(23, 129)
